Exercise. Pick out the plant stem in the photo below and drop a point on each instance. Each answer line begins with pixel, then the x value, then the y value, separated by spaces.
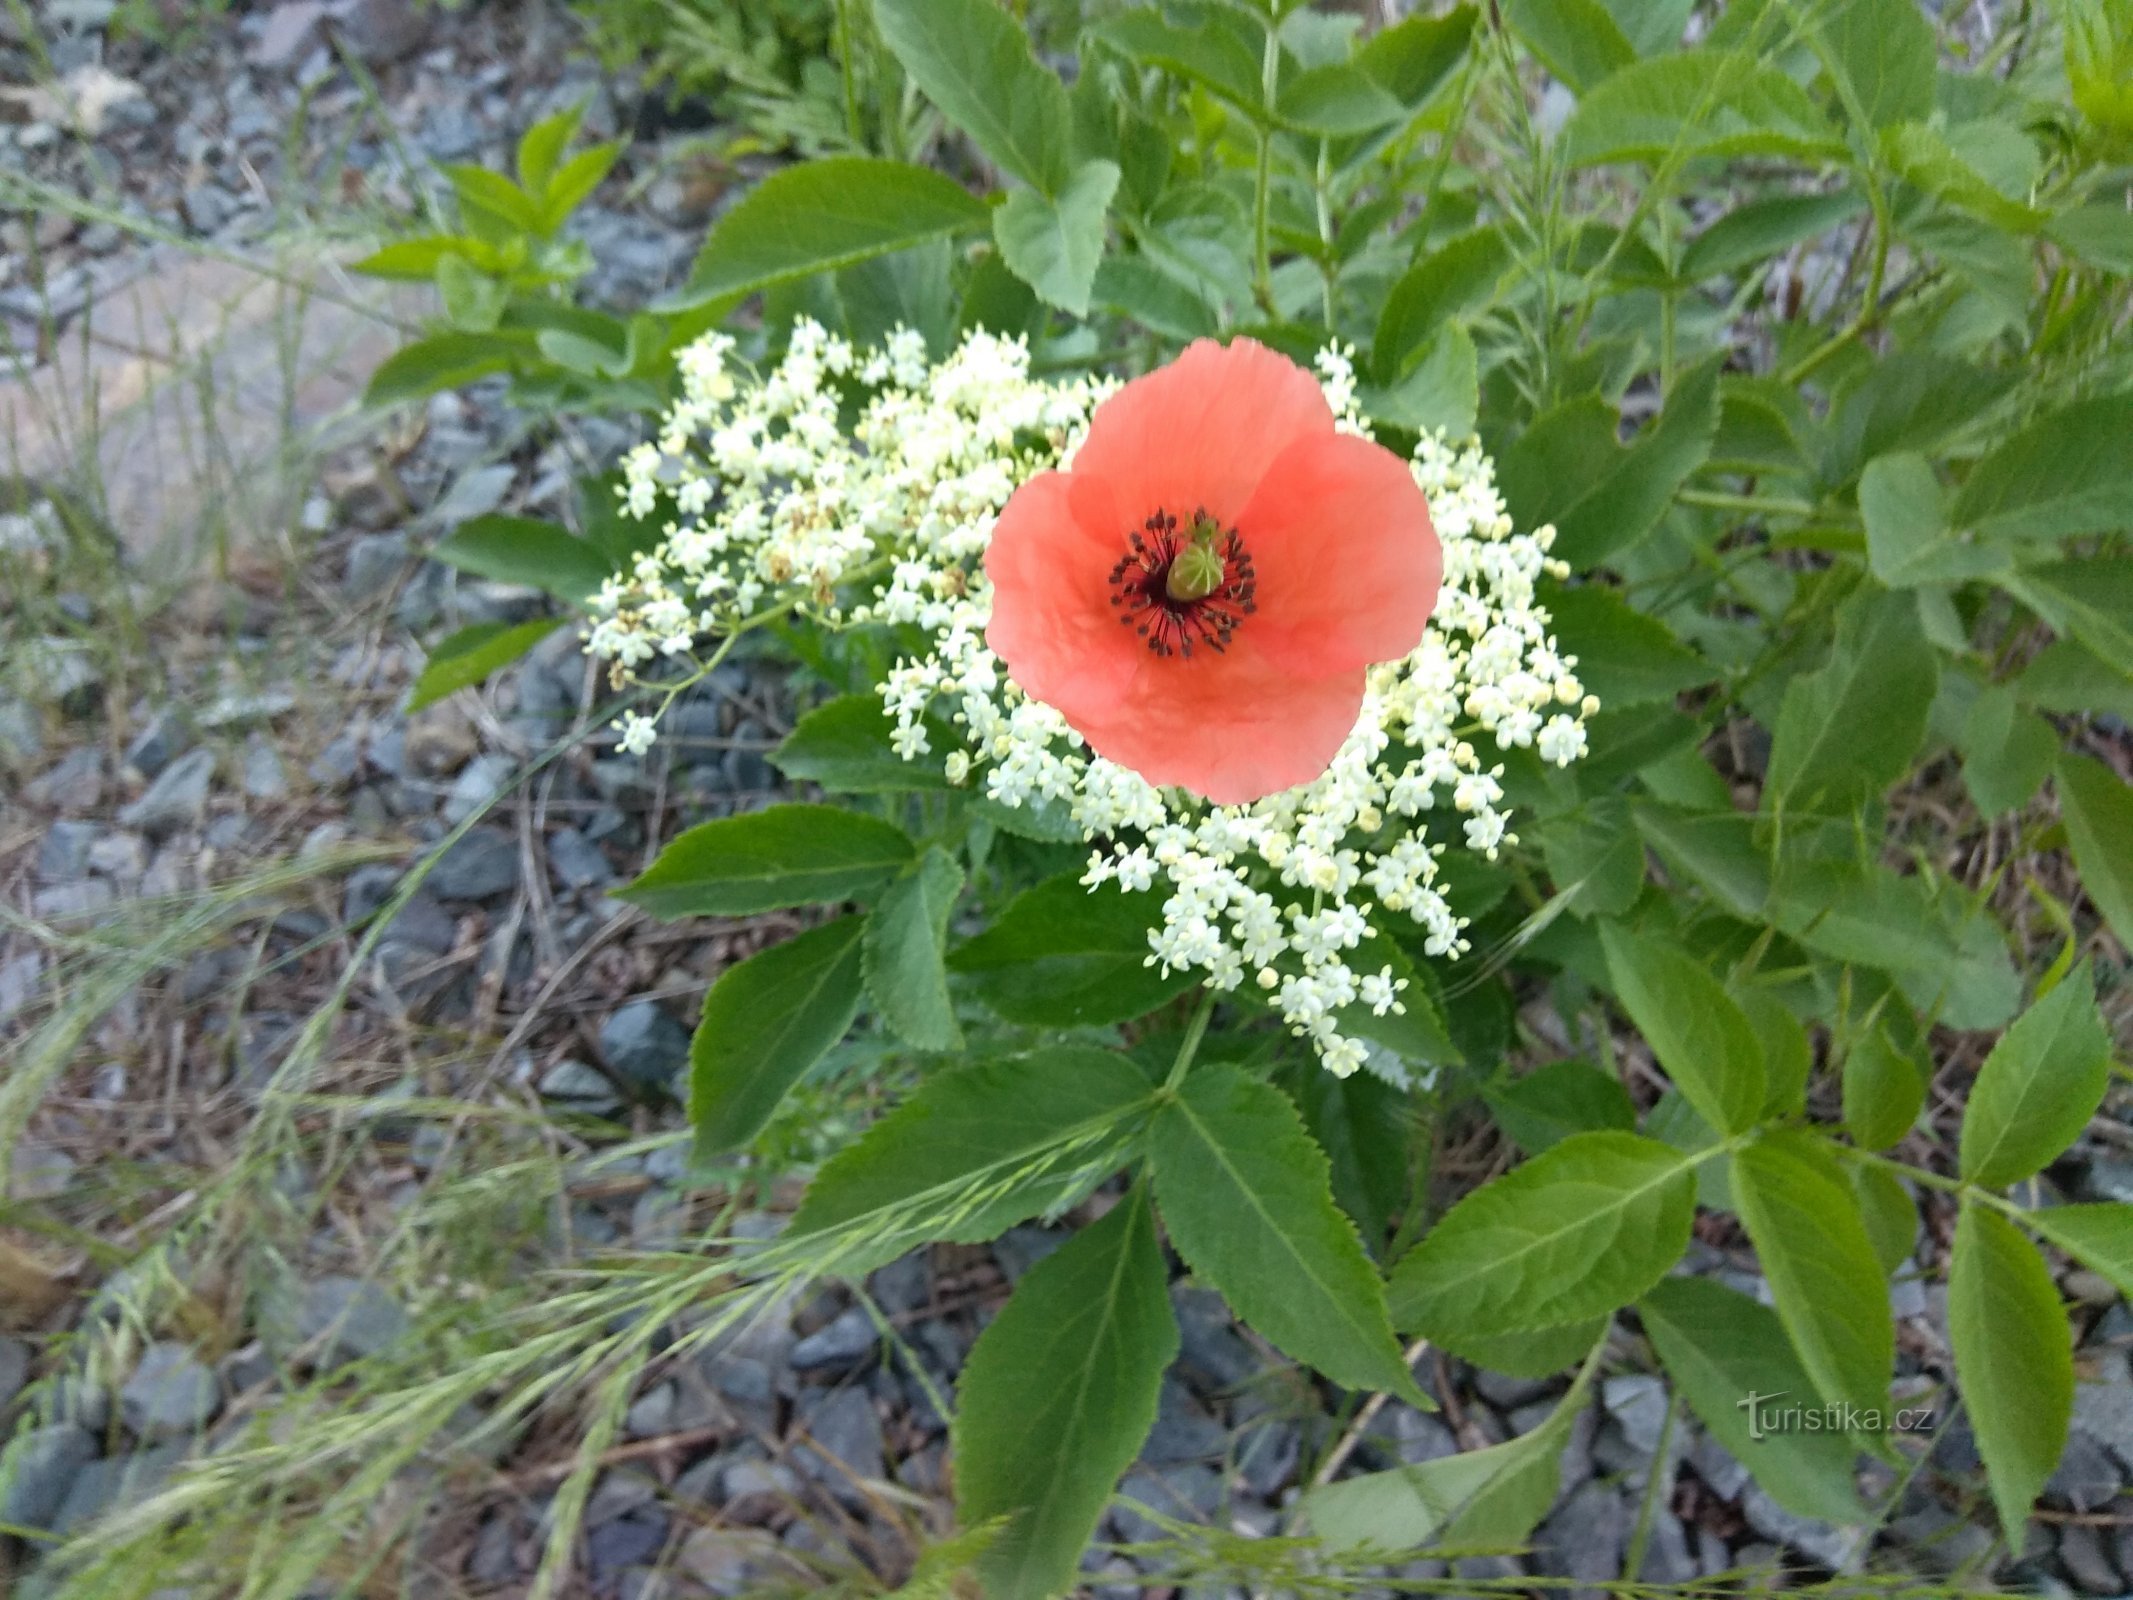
pixel 844 66
pixel 1766 505
pixel 1195 1031
pixel 1269 83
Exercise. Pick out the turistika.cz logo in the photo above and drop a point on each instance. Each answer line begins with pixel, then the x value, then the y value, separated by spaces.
pixel 1766 1416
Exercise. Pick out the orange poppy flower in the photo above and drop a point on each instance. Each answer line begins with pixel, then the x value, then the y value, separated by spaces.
pixel 1200 594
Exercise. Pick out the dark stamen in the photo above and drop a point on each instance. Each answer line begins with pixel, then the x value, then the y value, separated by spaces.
pixel 1140 588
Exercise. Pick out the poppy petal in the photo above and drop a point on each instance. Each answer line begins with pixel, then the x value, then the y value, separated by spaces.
pixel 1053 625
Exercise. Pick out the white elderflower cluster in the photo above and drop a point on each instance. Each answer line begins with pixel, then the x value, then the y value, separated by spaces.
pixel 777 502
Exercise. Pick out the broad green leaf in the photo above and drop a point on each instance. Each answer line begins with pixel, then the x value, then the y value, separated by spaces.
pixel 1450 283
pixel 2098 809
pixel 1720 1347
pixel 785 855
pixel 904 970
pixel 1441 388
pixel 1577 40
pixel 819 215
pixel 1053 245
pixel 1847 731
pixel 1912 400
pixel 998 301
pixel 573 181
pixel 1909 539
pixel 541 147
pixel 1698 1034
pixel 1336 101
pixel 1603 499
pixel 1883 1092
pixel 765 1022
pixel 1788 1058
pixel 1364 1125
pixel 1414 57
pixel 2091 598
pixel 485 195
pixel 1698 103
pixel 978 1149
pixel 2099 1236
pixel 1831 1293
pixel 2100 234
pixel 462 659
pixel 1624 656
pixel 1714 850
pixel 2065 474
pixel 1654 27
pixel 2039 1087
pixel 1064 955
pixel 1134 287
pixel 972 59
pixel 1549 1104
pixel 1595 856
pixel 1889 1211
pixel 1494 1496
pixel 2007 751
pixel 844 745
pixel 1761 230
pixel 1057 1397
pixel 2067 676
pixel 1248 1201
pixel 1213 53
pixel 416 260
pixel 912 288
pixel 2014 1358
pixel 1572 1234
pixel 444 361
pixel 1888 55
pixel 1417 1032
pixel 523 550
pixel 1923 155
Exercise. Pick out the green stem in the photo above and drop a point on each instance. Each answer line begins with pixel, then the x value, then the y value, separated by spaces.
pixel 1764 505
pixel 844 66
pixel 1262 179
pixel 1195 1031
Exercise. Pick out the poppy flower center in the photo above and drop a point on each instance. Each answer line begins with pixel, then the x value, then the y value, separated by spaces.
pixel 1178 588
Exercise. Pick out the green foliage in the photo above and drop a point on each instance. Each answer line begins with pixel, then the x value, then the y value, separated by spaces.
pixel 2013 1357
pixel 1059 956
pixel 787 855
pixel 2039 1087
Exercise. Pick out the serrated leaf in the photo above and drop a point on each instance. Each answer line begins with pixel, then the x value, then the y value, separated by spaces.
pixel 1212 53
pixel 819 215
pixel 541 147
pixel 1761 230
pixel 2039 1086
pixel 1698 103
pixel 2013 1358
pixel 1577 40
pixel 2007 751
pixel 1924 155
pixel 1883 1092
pixel 2099 1236
pixel 2067 473
pixel 2099 821
pixel 2100 234
pixel 1881 675
pixel 1549 1104
pixel 1720 1347
pixel 904 970
pixel 1697 1033
pixel 1788 1058
pixel 973 60
pixel 844 745
pixel 1715 850
pixel 1624 656
pixel 1027 1134
pixel 1247 1199
pixel 1888 55
pixel 1058 1394
pixel 1913 400
pixel 1441 388
pixel 765 1023
pixel 2068 676
pixel 1453 281
pixel 1574 1233
pixel 1595 857
pixel 1889 1212
pixel 462 659
pixel 444 361
pixel 784 855
pixel 1830 1291
pixel 1064 955
pixel 1364 1125
pixel 540 555
pixel 1413 58
pixel 1909 539
pixel 1334 101
pixel 1054 244
pixel 2091 598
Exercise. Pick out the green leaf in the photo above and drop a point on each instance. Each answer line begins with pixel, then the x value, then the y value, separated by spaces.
pixel 523 550
pixel 444 361
pixel 1452 282
pixel 1603 499
pixel 416 260
pixel 1888 55
pixel 1720 1347
pixel 2013 1358
pixel 1699 103
pixel 1698 1034
pixel 1787 1056
pixel 1248 1201
pixel 2007 751
pixel 819 215
pixel 1889 1212
pixel 1624 656
pixel 1064 955
pixel 1053 245
pixel 1883 1092
pixel 1417 1033
pixel 1831 1293
pixel 2091 598
pixel 462 659
pixel 1576 1232
pixel 541 146
pixel 2067 676
pixel 2099 1236
pixel 844 745
pixel 1413 58
pixel 2039 1087
pixel 1654 27
pixel 765 1022
pixel 1336 101
pixel 1213 53
pixel 1494 1496
pixel 1029 1134
pixel 1577 40
pixel 904 970
pixel 573 181
pixel 1714 850
pixel 2065 474
pixel 485 194
pixel 1923 155
pixel 1441 388
pixel 1364 1125
pixel 1548 1105
pixel 1908 537
pixel 2099 234
pixel 1881 674
pixel 1912 400
pixel 1595 857
pixel 972 59
pixel 1057 1396
pixel 2099 820
pixel 785 855
pixel 1761 230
